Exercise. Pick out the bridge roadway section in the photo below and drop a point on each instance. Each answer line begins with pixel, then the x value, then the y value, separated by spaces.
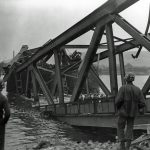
pixel 101 112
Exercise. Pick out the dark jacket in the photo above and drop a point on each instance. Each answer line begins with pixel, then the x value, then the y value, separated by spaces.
pixel 4 110
pixel 129 99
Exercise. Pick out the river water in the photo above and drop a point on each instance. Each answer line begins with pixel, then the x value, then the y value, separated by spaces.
pixel 26 128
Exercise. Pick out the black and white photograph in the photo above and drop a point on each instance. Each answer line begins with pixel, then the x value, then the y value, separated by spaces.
pixel 74 74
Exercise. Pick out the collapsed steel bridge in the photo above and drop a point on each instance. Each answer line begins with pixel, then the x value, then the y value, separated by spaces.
pixel 25 71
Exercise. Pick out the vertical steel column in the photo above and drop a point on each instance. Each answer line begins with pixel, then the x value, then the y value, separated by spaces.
pixel 34 82
pixel 99 81
pixel 27 90
pixel 98 33
pixel 43 85
pixel 112 60
pixel 58 73
pixel 55 85
pixel 146 86
pixel 87 86
pixel 122 69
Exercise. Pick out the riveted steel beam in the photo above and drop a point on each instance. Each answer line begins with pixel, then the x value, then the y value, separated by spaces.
pixel 112 60
pixel 98 33
pixel 100 82
pixel 42 84
pixel 99 15
pixel 122 68
pixel 118 49
pixel 137 35
pixel 35 90
pixel 59 77
pixel 27 90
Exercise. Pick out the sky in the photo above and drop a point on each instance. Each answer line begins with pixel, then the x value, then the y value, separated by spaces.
pixel 33 22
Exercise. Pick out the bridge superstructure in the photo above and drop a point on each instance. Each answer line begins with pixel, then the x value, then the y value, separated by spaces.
pixel 30 72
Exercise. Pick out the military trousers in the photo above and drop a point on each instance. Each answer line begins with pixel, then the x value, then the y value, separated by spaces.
pixel 2 137
pixel 125 128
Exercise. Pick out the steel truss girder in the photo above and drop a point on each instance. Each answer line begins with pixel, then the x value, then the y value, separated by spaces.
pixel 112 60
pixel 42 84
pixel 58 74
pixel 100 82
pixel 98 33
pixel 99 15
pixel 27 90
pixel 137 35
pixel 146 86
pixel 118 49
pixel 122 68
pixel 35 89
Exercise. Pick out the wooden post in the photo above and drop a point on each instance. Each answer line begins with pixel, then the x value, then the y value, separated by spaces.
pixel 112 60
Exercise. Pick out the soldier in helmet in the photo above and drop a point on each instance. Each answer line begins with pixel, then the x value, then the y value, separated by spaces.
pixel 4 115
pixel 129 102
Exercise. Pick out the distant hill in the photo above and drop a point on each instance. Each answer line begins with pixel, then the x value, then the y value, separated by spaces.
pixel 140 66
pixel 142 61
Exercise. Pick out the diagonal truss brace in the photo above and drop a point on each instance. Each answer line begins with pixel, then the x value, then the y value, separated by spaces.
pixel 99 15
pixel 98 33
pixel 42 84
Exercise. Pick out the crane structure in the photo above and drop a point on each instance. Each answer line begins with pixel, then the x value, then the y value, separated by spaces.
pixel 67 77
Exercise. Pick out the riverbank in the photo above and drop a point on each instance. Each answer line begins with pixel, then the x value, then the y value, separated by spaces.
pixel 27 130
pixel 51 144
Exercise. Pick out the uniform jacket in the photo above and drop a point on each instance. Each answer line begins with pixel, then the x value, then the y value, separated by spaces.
pixel 129 99
pixel 4 110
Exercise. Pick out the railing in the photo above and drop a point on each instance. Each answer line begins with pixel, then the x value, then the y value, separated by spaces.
pixel 92 106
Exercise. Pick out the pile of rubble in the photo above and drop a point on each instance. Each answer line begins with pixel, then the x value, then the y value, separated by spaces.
pixel 57 145
pixel 142 143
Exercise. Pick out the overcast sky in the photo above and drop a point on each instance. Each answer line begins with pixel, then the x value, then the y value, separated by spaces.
pixel 33 22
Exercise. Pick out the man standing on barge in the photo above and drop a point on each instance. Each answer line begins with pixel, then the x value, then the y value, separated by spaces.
pixel 129 102
pixel 4 115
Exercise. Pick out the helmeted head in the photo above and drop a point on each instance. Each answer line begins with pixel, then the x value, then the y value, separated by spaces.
pixel 1 84
pixel 129 77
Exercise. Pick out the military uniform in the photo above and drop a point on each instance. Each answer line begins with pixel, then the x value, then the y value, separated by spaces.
pixel 4 116
pixel 128 102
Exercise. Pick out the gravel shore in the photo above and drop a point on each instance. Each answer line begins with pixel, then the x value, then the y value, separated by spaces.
pixel 60 145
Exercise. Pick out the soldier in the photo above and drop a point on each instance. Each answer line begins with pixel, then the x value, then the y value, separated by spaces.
pixel 129 102
pixel 4 115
